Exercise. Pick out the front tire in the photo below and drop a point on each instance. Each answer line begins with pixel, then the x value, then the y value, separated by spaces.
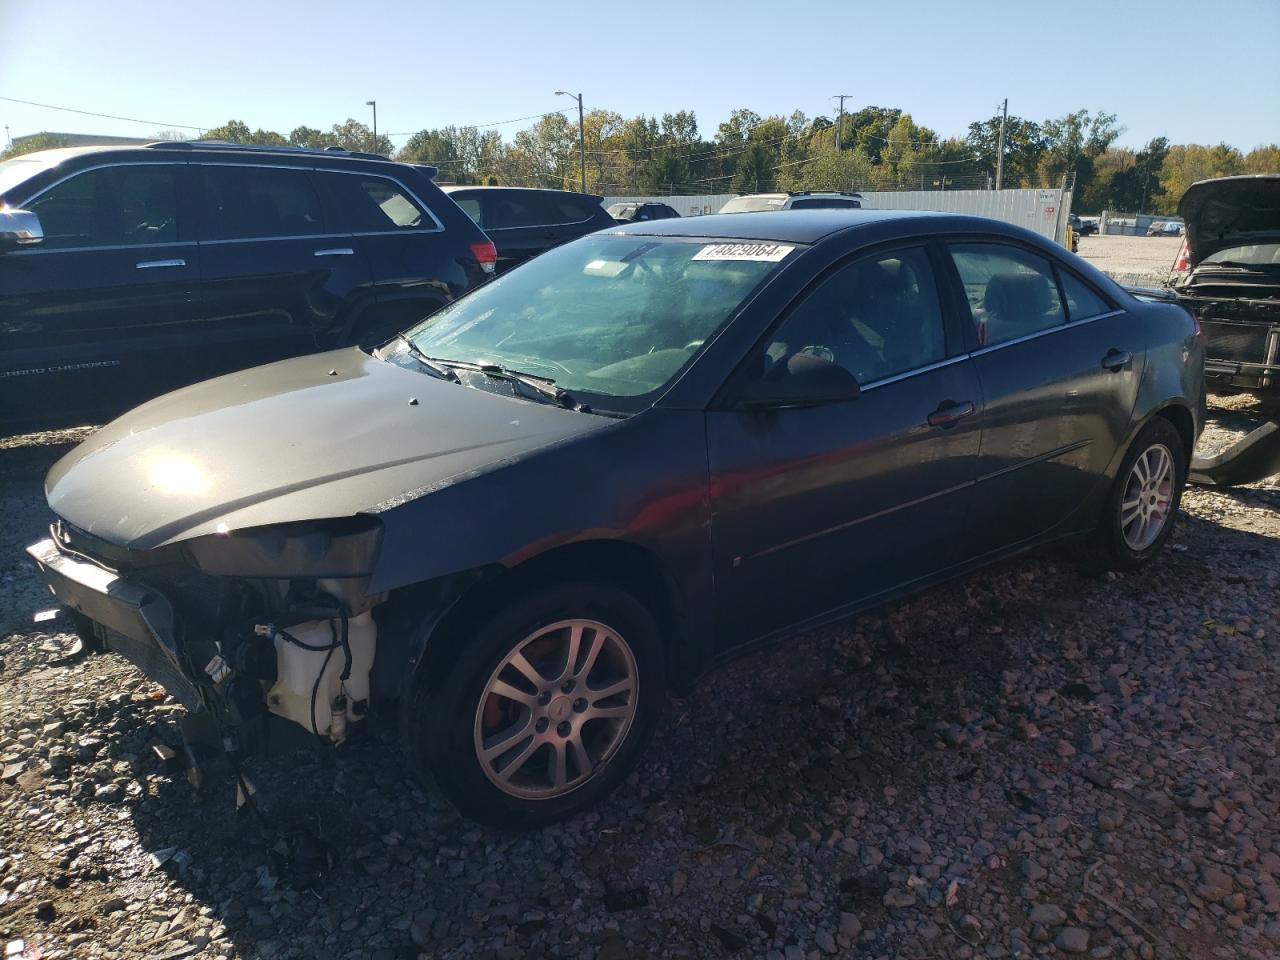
pixel 546 708
pixel 1144 499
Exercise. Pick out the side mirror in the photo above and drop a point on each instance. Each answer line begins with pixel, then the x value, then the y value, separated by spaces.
pixel 802 381
pixel 19 228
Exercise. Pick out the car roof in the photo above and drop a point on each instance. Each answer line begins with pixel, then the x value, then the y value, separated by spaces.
pixel 451 187
pixel 809 226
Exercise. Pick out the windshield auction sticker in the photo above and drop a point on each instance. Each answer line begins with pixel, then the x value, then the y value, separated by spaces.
pixel 765 252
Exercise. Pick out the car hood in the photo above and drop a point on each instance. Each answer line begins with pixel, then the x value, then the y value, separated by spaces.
pixel 329 435
pixel 1229 211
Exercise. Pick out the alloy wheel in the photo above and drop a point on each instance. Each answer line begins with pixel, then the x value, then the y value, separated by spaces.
pixel 1148 495
pixel 556 708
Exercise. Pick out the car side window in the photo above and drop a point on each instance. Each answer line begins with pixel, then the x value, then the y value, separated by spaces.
pixel 514 208
pixel 112 206
pixel 1082 303
pixel 471 207
pixel 1011 292
pixel 248 203
pixel 567 209
pixel 876 317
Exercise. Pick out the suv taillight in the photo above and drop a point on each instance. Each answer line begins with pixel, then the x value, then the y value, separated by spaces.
pixel 486 255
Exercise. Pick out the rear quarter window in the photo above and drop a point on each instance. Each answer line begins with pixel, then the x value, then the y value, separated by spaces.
pixel 368 203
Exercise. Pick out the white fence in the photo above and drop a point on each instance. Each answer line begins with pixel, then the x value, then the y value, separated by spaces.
pixel 1043 211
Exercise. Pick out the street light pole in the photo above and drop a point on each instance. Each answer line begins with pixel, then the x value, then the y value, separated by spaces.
pixel 582 137
pixel 374 104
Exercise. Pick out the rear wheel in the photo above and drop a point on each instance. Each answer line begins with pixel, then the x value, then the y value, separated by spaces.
pixel 546 709
pixel 1144 498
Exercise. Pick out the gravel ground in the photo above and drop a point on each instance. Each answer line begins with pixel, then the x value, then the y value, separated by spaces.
pixel 1024 762
pixel 1132 260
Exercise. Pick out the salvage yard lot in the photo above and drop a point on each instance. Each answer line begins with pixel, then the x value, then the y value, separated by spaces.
pixel 1028 756
pixel 1131 259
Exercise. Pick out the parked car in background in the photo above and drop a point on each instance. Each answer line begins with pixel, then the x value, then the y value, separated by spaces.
pixel 1228 274
pixel 525 221
pixel 800 200
pixel 128 271
pixel 1164 228
pixel 1087 225
pixel 639 212
pixel 623 463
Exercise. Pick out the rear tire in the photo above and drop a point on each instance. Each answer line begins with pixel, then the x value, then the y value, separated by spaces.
pixel 523 730
pixel 1143 503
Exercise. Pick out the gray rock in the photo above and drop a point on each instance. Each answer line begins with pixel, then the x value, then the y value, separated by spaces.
pixel 1072 940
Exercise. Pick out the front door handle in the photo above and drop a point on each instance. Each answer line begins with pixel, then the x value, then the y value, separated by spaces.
pixel 949 412
pixel 335 252
pixel 1116 360
pixel 153 264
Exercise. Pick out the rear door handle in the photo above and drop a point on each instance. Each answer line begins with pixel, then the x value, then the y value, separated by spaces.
pixel 155 264
pixel 335 252
pixel 1116 360
pixel 949 412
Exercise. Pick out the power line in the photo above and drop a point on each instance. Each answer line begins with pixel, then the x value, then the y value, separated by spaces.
pixel 105 116
pixel 481 126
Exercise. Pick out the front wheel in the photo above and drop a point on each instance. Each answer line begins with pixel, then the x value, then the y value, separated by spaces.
pixel 546 709
pixel 1144 498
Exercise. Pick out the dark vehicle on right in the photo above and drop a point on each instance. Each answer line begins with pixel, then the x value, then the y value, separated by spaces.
pixel 1228 274
pixel 524 221
pixel 625 212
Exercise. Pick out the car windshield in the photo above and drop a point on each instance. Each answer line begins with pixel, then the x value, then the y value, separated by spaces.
pixel 753 204
pixel 1252 254
pixel 613 316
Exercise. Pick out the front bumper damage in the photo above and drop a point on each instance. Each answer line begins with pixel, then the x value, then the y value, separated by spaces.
pixel 262 662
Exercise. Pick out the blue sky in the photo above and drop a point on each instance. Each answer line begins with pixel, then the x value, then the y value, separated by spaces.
pixel 1192 71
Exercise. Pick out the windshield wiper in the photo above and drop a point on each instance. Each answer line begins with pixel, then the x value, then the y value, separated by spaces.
pixel 544 386
pixel 426 361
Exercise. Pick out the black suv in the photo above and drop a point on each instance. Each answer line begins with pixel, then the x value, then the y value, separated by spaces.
pixel 526 221
pixel 636 212
pixel 128 272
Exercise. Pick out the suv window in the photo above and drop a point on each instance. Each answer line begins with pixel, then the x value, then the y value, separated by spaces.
pixel 824 203
pixel 470 206
pixel 369 203
pixel 1011 292
pixel 111 206
pixel 516 208
pixel 1082 303
pixel 876 317
pixel 566 208
pixel 243 203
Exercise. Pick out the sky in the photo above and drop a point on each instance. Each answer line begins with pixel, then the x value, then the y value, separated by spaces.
pixel 1194 72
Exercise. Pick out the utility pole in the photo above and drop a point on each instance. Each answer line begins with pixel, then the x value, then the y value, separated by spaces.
pixel 582 137
pixel 1004 116
pixel 374 104
pixel 842 97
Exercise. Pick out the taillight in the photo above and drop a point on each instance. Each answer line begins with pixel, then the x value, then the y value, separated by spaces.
pixel 1183 262
pixel 486 255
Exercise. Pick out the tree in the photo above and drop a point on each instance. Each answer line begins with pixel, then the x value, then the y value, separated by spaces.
pixel 828 169
pixel 355 136
pixel 1264 158
pixel 1187 163
pixel 1024 143
pixel 39 141
pixel 1071 144
pixel 237 131
pixel 311 138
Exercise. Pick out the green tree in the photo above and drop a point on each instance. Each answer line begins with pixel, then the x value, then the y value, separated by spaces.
pixel 828 169
pixel 40 141
pixel 1024 143
pixel 1186 164
pixel 237 131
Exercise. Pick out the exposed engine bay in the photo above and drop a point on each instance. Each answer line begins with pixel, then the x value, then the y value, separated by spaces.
pixel 245 652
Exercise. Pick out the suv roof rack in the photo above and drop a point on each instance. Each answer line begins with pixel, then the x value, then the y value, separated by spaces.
pixel 831 193
pixel 260 148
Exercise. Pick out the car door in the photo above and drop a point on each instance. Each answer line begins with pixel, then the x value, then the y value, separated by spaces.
pixel 818 507
pixel 267 256
pixel 96 318
pixel 1060 368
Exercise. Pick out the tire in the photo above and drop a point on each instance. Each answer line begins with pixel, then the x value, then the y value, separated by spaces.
pixel 457 731
pixel 1121 541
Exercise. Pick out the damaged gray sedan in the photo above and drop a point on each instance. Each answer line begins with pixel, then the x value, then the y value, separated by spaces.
pixel 589 481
